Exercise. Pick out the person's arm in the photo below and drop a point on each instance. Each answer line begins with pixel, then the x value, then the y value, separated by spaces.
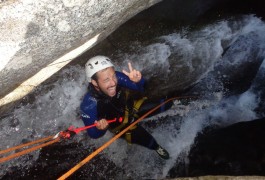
pixel 89 116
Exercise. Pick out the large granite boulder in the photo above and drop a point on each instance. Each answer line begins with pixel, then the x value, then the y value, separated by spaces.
pixel 36 33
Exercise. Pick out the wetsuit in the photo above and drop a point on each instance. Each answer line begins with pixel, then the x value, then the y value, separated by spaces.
pixel 96 106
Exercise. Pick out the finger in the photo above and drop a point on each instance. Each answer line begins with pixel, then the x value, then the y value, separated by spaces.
pixel 97 123
pixel 105 123
pixel 130 66
pixel 138 74
pixel 125 72
pixel 134 73
pixel 100 125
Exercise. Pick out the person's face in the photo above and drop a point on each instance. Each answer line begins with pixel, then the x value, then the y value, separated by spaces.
pixel 106 81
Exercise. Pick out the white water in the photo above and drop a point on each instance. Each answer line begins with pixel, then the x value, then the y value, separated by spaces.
pixel 197 53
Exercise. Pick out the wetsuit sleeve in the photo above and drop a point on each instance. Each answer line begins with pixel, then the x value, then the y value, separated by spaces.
pixel 89 116
pixel 124 81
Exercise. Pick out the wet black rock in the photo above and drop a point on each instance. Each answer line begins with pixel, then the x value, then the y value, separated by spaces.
pixel 237 150
pixel 58 159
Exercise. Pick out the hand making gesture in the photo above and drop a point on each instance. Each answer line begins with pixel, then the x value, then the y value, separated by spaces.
pixel 134 75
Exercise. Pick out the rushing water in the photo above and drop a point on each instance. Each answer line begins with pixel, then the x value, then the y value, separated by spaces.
pixel 224 62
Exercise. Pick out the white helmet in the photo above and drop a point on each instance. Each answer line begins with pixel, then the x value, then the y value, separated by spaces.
pixel 96 64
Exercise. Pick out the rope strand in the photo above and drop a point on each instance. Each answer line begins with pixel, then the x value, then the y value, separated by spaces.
pixel 4 159
pixel 26 144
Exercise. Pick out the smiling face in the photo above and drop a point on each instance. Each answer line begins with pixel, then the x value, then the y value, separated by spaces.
pixel 106 81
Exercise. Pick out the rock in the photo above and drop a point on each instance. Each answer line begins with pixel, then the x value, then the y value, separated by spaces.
pixel 235 150
pixel 36 33
pixel 58 159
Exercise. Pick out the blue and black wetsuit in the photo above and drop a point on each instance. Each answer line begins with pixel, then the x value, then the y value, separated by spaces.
pixel 96 106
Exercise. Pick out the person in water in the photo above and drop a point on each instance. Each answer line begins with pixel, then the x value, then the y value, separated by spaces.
pixel 109 96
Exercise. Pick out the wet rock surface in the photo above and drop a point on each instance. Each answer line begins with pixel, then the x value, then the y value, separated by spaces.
pixel 35 34
pixel 56 160
pixel 234 150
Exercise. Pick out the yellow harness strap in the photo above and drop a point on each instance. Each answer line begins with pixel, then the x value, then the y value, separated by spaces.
pixel 136 106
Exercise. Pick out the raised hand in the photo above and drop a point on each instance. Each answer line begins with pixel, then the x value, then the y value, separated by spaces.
pixel 134 75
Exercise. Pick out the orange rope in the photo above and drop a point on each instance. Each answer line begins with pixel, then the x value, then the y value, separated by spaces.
pixel 26 144
pixel 92 155
pixel 29 149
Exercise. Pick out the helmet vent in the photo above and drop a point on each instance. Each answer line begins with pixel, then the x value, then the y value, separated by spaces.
pixel 90 66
